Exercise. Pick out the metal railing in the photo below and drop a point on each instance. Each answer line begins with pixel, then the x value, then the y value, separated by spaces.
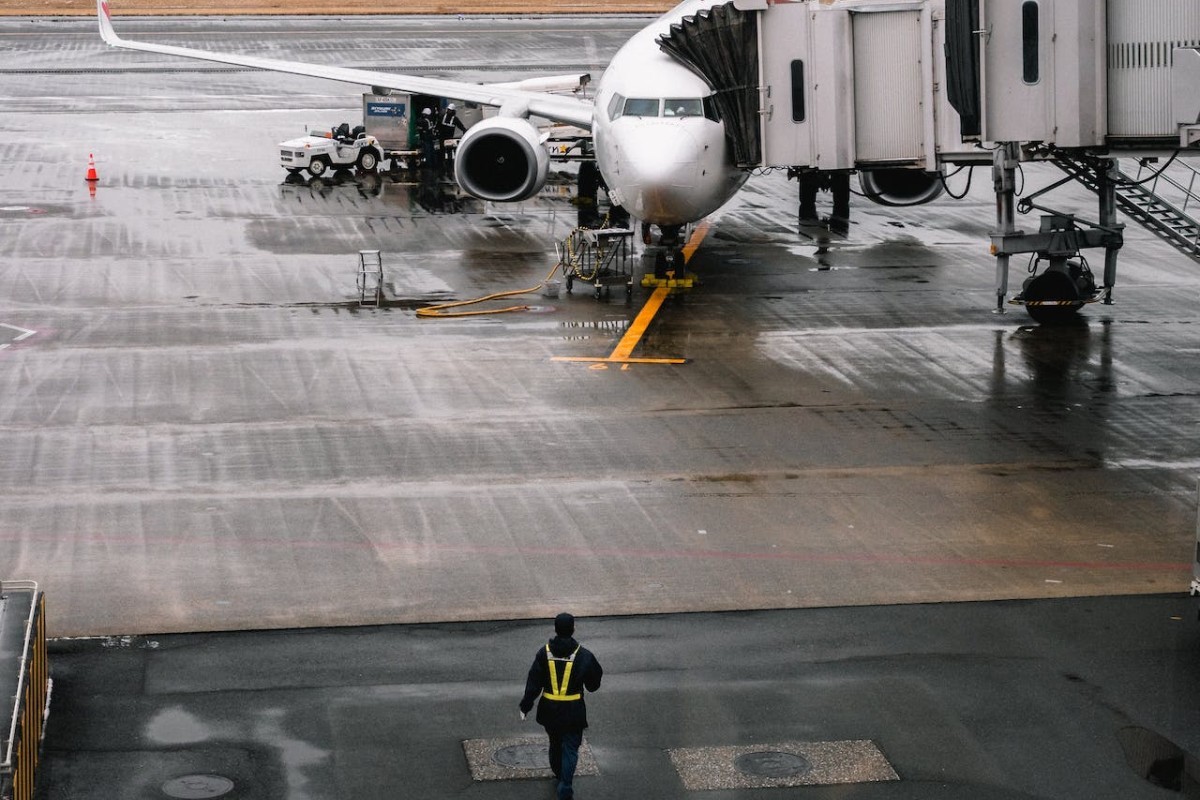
pixel 29 704
pixel 1188 192
pixel 1145 201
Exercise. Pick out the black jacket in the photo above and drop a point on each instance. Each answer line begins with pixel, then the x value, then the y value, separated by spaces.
pixel 448 122
pixel 562 715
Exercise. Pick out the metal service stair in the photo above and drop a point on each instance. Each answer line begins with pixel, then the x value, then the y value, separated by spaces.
pixel 1139 199
pixel 370 278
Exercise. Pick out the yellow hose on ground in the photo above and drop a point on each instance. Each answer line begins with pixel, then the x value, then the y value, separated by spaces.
pixel 440 311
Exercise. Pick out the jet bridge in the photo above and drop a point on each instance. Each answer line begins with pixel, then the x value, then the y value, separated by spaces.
pixel 860 84
pixel 898 90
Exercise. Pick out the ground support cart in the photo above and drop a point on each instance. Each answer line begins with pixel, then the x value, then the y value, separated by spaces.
pixel 600 257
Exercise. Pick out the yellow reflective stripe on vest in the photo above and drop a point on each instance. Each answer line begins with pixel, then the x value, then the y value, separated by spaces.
pixel 555 686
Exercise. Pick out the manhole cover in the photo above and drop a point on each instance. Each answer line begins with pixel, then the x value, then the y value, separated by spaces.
pixel 771 764
pixel 522 756
pixel 197 787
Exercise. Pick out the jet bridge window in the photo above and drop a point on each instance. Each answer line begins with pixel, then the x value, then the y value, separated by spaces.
pixel 797 91
pixel 1029 42
pixel 683 107
pixel 641 107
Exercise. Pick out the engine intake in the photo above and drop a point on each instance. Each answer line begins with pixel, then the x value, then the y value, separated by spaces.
pixel 501 159
pixel 900 187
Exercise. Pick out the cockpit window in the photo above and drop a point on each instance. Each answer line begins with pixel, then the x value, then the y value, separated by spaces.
pixel 683 107
pixel 640 107
pixel 671 107
pixel 614 106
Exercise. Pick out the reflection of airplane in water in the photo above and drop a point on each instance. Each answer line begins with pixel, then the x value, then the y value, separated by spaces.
pixel 435 193
pixel 425 189
pixel 661 146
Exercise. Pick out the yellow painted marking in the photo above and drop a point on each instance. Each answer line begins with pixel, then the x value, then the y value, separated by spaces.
pixel 640 323
pixel 621 355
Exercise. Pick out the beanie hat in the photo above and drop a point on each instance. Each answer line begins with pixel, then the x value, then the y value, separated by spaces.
pixel 564 624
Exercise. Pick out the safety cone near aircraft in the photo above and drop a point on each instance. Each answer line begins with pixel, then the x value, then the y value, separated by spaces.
pixel 92 177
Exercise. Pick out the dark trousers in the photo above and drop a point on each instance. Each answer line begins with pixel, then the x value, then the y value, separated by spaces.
pixel 838 183
pixel 564 755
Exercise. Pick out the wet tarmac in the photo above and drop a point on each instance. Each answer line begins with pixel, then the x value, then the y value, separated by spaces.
pixel 204 430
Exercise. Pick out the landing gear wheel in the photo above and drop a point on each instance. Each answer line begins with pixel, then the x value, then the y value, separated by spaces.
pixel 368 160
pixel 660 266
pixel 673 263
pixel 317 167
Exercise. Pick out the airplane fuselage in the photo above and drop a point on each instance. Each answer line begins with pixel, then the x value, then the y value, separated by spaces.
pixel 660 145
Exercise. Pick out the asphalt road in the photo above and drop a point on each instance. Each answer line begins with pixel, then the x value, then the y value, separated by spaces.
pixel 998 701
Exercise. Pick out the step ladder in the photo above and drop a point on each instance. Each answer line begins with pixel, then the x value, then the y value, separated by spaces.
pixel 370 278
pixel 1145 200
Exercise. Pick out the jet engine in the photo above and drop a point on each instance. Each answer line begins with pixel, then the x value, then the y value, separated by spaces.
pixel 900 187
pixel 501 159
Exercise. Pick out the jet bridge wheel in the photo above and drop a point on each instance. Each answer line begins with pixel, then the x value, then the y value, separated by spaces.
pixel 1052 298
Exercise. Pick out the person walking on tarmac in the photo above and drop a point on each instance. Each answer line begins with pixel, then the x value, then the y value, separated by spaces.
pixel 427 132
pixel 560 672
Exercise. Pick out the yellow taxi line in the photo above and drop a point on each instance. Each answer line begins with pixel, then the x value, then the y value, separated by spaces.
pixel 624 348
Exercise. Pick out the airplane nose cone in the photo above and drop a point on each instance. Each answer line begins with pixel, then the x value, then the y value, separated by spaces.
pixel 659 173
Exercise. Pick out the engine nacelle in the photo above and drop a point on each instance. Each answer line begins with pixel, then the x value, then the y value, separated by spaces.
pixel 900 187
pixel 501 159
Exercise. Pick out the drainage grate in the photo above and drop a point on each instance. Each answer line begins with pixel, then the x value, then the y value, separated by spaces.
pixel 771 764
pixel 518 758
pixel 197 787
pixel 525 755
pixel 781 764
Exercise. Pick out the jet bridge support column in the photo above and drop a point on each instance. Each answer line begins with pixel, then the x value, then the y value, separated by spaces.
pixel 1108 172
pixel 1004 169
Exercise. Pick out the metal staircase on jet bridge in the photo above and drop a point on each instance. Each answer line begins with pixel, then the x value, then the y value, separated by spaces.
pixel 1152 211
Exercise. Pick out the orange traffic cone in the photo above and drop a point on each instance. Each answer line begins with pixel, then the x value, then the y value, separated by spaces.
pixel 91 173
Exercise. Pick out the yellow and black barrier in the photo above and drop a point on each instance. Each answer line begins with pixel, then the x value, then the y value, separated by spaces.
pixel 23 652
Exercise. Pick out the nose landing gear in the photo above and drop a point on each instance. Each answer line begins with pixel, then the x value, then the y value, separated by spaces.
pixel 669 261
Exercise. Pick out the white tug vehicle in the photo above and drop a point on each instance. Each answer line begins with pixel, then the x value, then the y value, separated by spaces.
pixel 342 148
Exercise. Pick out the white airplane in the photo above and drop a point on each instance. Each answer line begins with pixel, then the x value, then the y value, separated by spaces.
pixel 660 145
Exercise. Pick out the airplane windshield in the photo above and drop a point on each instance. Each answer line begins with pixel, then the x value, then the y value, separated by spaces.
pixel 654 107
pixel 641 107
pixel 683 107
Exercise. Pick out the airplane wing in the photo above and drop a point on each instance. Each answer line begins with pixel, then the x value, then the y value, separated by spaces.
pixel 517 102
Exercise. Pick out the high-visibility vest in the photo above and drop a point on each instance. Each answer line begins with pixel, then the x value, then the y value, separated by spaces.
pixel 558 689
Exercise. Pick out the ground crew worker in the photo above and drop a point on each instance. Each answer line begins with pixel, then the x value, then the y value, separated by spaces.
pixel 449 122
pixel 560 672
pixel 448 126
pixel 427 131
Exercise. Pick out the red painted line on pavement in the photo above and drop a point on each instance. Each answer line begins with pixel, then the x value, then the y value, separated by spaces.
pixel 425 548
